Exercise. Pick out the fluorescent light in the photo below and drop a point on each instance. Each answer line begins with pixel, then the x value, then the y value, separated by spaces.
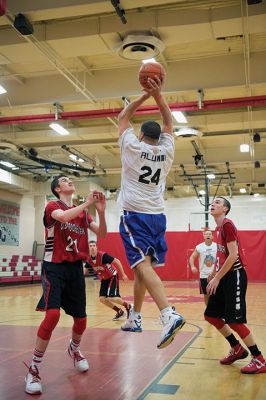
pixel 59 129
pixel 179 117
pixel 2 90
pixel 244 148
pixel 148 60
pixel 243 190
pixel 211 176
pixel 256 194
pixel 201 192
pixel 8 164
pixel 76 158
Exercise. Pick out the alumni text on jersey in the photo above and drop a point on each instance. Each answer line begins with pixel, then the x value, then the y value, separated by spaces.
pixel 153 157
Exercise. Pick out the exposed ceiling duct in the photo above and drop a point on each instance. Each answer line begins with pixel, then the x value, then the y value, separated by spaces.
pixel 240 102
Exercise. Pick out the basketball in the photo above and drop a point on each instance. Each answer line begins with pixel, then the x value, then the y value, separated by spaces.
pixel 149 70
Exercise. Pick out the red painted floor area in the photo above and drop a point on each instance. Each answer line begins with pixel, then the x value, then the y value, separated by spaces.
pixel 122 364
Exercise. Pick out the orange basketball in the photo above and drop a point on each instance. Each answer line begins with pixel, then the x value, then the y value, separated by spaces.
pixel 149 70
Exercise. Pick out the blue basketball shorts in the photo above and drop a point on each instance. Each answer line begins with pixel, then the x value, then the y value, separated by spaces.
pixel 143 235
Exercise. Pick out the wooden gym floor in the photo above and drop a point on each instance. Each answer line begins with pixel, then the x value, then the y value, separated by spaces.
pixel 123 365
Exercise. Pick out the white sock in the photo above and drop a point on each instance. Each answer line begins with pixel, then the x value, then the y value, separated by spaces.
pixel 75 345
pixel 166 310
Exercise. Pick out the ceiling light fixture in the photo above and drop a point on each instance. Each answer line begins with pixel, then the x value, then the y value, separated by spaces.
pixel 187 132
pixel 179 117
pixel 202 192
pixel 148 60
pixel 76 158
pixel 58 109
pixel 59 129
pixel 243 190
pixel 8 164
pixel 2 90
pixel 211 176
pixel 244 148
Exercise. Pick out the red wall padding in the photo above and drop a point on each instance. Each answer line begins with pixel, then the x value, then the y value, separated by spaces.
pixel 2 7
pixel 180 246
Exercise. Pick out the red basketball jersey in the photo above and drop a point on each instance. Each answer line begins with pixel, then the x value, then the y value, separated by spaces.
pixel 104 271
pixel 65 241
pixel 227 233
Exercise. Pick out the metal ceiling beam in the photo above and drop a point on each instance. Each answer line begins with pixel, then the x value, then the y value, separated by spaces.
pixel 239 102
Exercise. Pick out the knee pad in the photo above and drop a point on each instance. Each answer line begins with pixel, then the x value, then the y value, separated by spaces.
pixel 241 329
pixel 217 322
pixel 79 325
pixel 49 323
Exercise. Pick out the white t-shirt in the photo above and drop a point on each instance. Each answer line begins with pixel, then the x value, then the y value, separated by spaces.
pixel 207 258
pixel 144 171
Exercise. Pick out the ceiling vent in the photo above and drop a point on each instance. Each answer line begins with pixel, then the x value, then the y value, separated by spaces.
pixel 140 47
pixel 187 132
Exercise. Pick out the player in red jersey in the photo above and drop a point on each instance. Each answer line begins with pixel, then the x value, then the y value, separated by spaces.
pixel 106 266
pixel 226 309
pixel 63 281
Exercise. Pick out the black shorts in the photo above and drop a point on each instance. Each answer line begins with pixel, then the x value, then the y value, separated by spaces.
pixel 110 287
pixel 63 287
pixel 203 285
pixel 229 301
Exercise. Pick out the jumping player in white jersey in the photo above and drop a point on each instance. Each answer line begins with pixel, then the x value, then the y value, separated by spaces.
pixel 146 162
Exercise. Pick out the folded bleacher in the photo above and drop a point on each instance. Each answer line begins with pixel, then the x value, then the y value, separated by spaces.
pixel 15 269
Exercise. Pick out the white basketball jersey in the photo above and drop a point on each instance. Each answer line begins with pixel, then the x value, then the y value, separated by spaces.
pixel 144 171
pixel 207 258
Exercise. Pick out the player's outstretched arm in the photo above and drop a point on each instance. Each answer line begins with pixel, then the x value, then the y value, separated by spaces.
pixel 163 106
pixel 154 89
pixel 166 115
pixel 192 258
pixel 68 215
pixel 127 113
pixel 120 269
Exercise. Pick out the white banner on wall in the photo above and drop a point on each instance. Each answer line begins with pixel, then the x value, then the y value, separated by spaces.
pixel 9 223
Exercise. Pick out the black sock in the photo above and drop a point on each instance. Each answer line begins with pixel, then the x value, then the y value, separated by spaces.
pixel 254 350
pixel 232 340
